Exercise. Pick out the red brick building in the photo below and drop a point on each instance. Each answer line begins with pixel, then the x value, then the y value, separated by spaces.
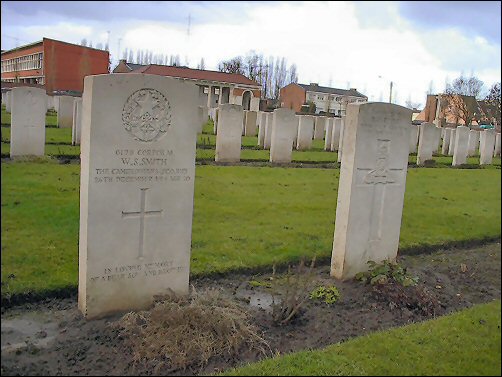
pixel 59 66
pixel 215 87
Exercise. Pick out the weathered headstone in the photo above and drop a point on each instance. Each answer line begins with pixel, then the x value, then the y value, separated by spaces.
pixel 76 130
pixel 446 141
pixel 261 128
pixel 340 144
pixel 203 115
pixel 283 133
pixel 268 130
pixel 328 134
pixel 29 106
pixel 451 146
pixel 335 134
pixel 250 123
pixel 371 187
pixel 305 132
pixel 228 138
pixel 486 146
pixel 426 142
pixel 461 146
pixel 473 142
pixel 414 138
pixel 8 97
pixel 136 192
pixel 65 111
pixel 438 139
pixel 496 152
pixel 319 126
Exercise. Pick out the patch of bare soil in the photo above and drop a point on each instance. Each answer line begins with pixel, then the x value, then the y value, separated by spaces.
pixel 52 337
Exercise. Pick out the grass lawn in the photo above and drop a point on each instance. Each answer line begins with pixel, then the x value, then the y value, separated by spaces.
pixel 466 343
pixel 243 217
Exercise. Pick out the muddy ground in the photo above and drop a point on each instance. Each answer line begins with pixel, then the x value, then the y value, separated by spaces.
pixel 52 338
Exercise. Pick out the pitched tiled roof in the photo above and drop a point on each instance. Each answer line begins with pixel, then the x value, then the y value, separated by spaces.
pixel 196 74
pixel 325 89
pixel 134 66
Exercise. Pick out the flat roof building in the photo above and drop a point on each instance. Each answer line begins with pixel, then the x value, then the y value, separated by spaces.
pixel 57 65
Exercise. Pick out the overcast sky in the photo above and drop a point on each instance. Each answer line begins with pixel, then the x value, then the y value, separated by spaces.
pixel 340 44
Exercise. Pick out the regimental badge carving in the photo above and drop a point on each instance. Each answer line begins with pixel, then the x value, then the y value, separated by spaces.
pixel 146 115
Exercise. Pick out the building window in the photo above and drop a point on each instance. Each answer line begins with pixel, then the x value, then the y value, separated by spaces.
pixel 23 63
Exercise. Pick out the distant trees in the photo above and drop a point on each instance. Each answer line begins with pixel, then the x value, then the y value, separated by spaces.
pixel 145 57
pixel 457 94
pixel 493 96
pixel 412 105
pixel 272 73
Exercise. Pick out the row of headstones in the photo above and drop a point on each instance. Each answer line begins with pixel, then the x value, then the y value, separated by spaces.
pixel 282 130
pixel 137 186
pixel 28 109
pixel 460 142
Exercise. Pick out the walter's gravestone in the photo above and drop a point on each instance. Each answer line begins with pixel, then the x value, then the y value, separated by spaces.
pixel 305 132
pixel 283 134
pixel 371 189
pixel 29 106
pixel 461 146
pixel 65 112
pixel 228 138
pixel 136 191
pixel 76 129
pixel 426 143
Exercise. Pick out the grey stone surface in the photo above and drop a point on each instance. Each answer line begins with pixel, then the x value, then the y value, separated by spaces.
pixel 426 143
pixel 65 112
pixel 305 132
pixel 228 138
pixel 283 133
pixel 461 146
pixel 136 192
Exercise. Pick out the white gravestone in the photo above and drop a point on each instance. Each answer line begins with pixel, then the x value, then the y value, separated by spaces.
pixel 305 132
pixel 268 130
pixel 340 144
pixel 283 134
pixel 473 142
pixel 65 111
pixel 8 101
pixel 29 106
pixel 496 152
pixel 76 129
pixel 414 138
pixel 461 146
pixel 296 132
pixel 486 147
pixel 335 134
pixel 372 185
pixel 319 126
pixel 261 128
pixel 328 134
pixel 203 116
pixel 446 141
pixel 426 143
pixel 215 112
pixel 438 139
pixel 228 139
pixel 136 190
pixel 451 147
pixel 250 123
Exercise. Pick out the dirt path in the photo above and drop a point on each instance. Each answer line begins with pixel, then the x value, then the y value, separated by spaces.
pixel 52 338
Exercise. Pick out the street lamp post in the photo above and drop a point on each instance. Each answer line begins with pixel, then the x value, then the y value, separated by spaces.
pixel 390 88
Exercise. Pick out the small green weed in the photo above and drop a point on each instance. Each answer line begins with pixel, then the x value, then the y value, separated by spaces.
pixel 329 295
pixel 383 273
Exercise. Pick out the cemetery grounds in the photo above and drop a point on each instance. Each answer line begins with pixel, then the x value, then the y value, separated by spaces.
pixel 250 219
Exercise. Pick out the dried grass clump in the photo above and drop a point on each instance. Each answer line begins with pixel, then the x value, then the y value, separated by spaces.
pixel 185 332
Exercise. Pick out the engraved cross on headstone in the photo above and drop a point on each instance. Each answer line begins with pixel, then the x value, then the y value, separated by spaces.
pixel 141 214
pixel 379 178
